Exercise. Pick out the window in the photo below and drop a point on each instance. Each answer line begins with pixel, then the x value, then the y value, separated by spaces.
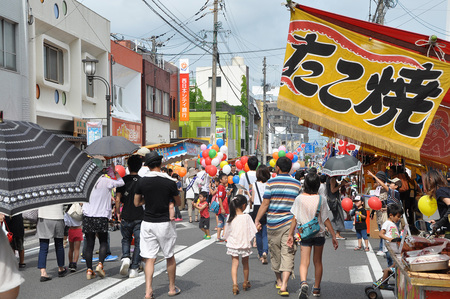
pixel 149 99
pixel 218 81
pixel 157 101
pixel 166 106
pixel 118 96
pixel 203 131
pixel 53 64
pixel 7 45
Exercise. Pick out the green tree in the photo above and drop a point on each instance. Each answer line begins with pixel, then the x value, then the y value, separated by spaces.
pixel 197 101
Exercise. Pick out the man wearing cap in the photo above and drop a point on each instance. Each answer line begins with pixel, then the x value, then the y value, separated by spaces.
pixel 156 190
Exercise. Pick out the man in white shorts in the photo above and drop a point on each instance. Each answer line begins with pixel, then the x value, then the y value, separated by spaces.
pixel 156 190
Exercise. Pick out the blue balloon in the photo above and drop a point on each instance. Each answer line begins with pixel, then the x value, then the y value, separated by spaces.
pixel 219 143
pixel 295 159
pixel 236 179
pixel 209 146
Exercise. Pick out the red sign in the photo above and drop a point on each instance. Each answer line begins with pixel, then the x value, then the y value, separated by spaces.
pixel 130 130
pixel 184 97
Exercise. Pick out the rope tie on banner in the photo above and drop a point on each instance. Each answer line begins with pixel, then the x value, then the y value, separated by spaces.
pixel 432 44
pixel 290 5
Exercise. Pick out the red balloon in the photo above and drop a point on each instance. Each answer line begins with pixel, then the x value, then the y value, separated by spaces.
pixel 212 170
pixel 244 160
pixel 224 158
pixel 290 156
pixel 238 164
pixel 120 170
pixel 374 203
pixel 347 204
pixel 208 161
pixel 274 174
pixel 205 153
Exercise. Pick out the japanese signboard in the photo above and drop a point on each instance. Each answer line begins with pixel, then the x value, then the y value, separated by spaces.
pixel 79 126
pixel 360 87
pixel 94 131
pixel 181 149
pixel 184 89
pixel 130 130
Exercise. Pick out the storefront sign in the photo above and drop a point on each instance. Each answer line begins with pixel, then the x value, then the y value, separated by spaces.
pixel 79 126
pixel 94 131
pixel 181 149
pixel 130 130
pixel 359 87
pixel 184 89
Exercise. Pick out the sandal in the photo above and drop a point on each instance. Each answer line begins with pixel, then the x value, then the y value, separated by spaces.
pixel 235 289
pixel 277 286
pixel 190 219
pixel 177 292
pixel 246 285
pixel 283 293
pixel 316 292
pixel 357 248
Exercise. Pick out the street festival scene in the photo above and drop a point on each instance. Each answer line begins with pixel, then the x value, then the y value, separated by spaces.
pixel 216 149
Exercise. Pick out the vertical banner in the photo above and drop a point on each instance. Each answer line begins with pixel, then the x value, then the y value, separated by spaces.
pixel 184 89
pixel 94 131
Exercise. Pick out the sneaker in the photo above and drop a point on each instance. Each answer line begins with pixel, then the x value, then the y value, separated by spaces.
pixel 207 237
pixel 100 271
pixel 94 259
pixel 381 253
pixel 125 265
pixel 110 258
pixel 178 219
pixel 133 273
pixel 73 267
pixel 303 291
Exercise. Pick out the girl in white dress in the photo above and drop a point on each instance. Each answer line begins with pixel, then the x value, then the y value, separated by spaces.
pixel 239 232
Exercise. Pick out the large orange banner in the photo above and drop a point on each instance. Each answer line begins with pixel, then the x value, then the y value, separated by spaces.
pixel 184 90
pixel 359 87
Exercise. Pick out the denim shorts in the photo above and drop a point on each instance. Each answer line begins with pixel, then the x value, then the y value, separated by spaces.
pixel 389 260
pixel 222 218
pixel 361 234
pixel 317 241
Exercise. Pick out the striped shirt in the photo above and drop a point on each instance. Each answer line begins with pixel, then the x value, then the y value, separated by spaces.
pixel 281 191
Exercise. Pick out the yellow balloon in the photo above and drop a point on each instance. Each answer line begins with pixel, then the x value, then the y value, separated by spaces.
pixel 427 205
pixel 272 162
pixel 223 163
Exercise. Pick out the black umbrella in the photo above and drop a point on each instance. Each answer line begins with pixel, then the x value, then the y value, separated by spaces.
pixel 111 147
pixel 341 165
pixel 38 168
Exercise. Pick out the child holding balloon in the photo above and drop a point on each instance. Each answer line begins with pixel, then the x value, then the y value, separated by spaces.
pixel 360 223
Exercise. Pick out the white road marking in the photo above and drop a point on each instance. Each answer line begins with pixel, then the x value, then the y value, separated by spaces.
pixel 122 287
pixel 187 266
pixel 387 294
pixel 360 274
pixel 351 244
pixel 93 288
pixel 377 270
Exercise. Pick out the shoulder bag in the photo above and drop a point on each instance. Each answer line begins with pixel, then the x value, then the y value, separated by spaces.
pixel 76 212
pixel 310 229
pixel 263 219
pixel 214 207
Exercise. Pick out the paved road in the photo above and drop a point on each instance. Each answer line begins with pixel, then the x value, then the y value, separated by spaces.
pixel 203 271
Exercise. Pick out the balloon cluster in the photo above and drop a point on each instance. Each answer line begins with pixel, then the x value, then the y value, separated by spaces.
pixel 214 157
pixel 283 152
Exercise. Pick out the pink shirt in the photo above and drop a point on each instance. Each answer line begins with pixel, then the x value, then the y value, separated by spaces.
pixel 240 232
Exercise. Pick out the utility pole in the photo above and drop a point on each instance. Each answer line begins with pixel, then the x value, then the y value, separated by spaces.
pixel 214 75
pixel 380 12
pixel 264 139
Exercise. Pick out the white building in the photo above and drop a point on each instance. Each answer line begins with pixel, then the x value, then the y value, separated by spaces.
pixel 14 99
pixel 227 90
pixel 61 34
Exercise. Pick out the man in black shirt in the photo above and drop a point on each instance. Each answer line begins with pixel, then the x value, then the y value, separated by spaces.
pixel 156 190
pixel 130 218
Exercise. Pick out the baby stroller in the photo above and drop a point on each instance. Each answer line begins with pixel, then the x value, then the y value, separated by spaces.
pixel 373 291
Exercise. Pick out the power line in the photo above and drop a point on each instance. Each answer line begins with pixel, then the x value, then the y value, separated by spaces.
pixel 235 52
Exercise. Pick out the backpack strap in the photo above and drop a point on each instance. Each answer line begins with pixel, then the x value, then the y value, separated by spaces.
pixel 318 207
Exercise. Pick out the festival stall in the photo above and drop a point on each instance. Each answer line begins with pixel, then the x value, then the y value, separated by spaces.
pixel 381 88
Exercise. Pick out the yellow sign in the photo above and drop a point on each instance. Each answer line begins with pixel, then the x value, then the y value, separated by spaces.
pixel 359 87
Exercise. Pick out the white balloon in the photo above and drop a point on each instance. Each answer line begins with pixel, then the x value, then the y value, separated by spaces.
pixel 224 149
pixel 215 162
pixel 226 169
pixel 219 156
pixel 296 166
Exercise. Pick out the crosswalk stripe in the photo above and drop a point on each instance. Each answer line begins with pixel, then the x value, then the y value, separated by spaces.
pixel 387 294
pixel 125 286
pixel 93 288
pixel 360 274
pixel 187 266
pixel 377 270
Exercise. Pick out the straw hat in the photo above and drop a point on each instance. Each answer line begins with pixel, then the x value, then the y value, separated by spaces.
pixel 191 172
pixel 143 151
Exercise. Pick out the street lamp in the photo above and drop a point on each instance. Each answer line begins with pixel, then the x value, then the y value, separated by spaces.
pixel 90 66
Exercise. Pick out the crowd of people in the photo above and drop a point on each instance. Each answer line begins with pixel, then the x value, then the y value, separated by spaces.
pixel 263 211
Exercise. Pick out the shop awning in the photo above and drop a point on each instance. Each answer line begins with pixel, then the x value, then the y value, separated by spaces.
pixel 365 82
pixel 177 151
